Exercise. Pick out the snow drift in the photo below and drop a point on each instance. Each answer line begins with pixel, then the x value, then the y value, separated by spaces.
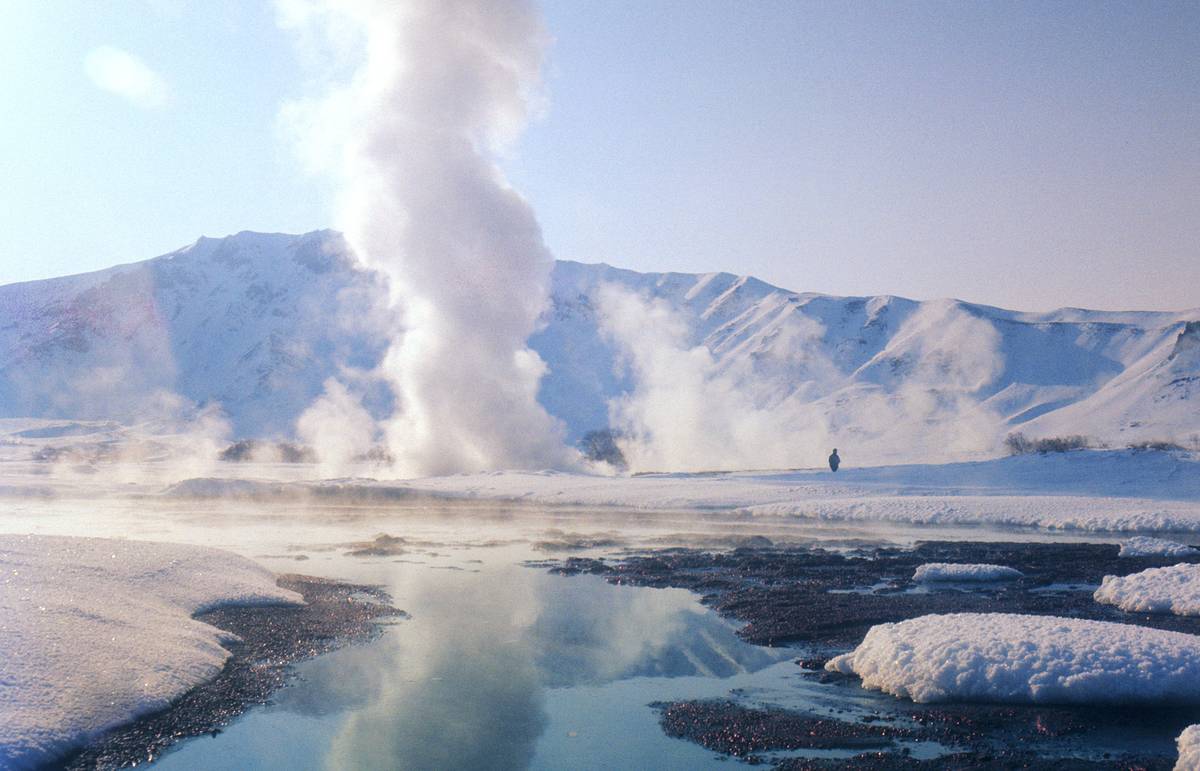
pixel 1158 590
pixel 96 632
pixel 1144 546
pixel 1000 657
pixel 933 572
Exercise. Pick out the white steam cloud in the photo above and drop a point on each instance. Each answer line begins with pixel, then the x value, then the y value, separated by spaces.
pixel 340 426
pixel 435 88
pixel 126 75
pixel 789 404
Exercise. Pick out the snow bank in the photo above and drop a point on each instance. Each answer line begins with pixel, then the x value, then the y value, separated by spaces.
pixel 1142 546
pixel 943 571
pixel 1188 744
pixel 1158 590
pixel 1013 658
pixel 96 632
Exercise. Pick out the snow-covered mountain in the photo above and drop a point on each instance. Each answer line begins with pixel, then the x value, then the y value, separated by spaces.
pixel 257 322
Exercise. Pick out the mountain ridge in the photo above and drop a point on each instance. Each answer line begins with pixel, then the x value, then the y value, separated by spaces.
pixel 257 322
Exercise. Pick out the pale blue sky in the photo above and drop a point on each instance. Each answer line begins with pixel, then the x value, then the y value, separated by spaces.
pixel 1030 155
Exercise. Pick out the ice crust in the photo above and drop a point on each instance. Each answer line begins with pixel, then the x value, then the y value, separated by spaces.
pixel 95 632
pixel 1174 589
pixel 1001 657
pixel 1143 546
pixel 1188 744
pixel 932 572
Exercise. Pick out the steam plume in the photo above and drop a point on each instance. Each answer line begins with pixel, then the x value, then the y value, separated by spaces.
pixel 787 406
pixel 441 87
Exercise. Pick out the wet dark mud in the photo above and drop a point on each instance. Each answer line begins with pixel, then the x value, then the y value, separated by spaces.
pixel 273 637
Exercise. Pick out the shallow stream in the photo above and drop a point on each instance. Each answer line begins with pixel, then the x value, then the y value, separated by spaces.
pixel 501 663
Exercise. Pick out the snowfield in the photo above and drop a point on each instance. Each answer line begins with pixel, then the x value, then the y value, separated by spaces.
pixel 96 632
pixel 932 572
pixel 998 657
pixel 1100 491
pixel 1143 546
pixel 1158 590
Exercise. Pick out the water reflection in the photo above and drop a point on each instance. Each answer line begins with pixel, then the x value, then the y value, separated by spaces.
pixel 459 690
pixel 464 683
pixel 588 634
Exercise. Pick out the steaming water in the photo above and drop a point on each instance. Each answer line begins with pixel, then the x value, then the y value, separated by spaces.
pixel 501 665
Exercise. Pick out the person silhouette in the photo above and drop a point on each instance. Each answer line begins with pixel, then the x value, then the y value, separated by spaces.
pixel 834 460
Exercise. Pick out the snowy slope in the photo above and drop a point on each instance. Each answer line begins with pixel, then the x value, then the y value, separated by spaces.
pixel 254 322
pixel 97 632
pixel 257 322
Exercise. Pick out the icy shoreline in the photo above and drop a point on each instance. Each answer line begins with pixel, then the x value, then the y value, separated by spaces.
pixel 98 632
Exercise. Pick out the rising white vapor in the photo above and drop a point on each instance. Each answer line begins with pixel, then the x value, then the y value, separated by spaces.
pixel 692 410
pixel 435 88
pixel 126 75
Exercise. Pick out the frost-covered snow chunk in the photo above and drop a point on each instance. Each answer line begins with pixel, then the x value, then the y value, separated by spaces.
pixel 1141 546
pixel 1188 744
pixel 1003 657
pixel 96 632
pixel 1158 590
pixel 944 571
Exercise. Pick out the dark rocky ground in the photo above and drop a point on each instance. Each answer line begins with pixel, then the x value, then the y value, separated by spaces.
pixel 273 638
pixel 981 736
pixel 825 601
pixel 798 595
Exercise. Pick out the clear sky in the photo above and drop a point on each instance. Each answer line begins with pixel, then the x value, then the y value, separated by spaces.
pixel 1029 155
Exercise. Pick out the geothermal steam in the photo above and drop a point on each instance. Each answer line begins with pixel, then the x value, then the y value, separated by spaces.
pixel 442 85
pixel 788 404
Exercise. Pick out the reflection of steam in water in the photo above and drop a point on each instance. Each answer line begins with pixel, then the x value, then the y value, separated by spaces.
pixel 591 636
pixel 462 692
pixel 462 685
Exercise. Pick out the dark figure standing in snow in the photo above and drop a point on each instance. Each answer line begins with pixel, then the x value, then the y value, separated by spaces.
pixel 834 460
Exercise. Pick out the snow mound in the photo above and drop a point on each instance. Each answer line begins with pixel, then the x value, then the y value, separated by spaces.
pixel 1158 590
pixel 1188 744
pixel 1001 657
pixel 96 632
pixel 1142 546
pixel 932 572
